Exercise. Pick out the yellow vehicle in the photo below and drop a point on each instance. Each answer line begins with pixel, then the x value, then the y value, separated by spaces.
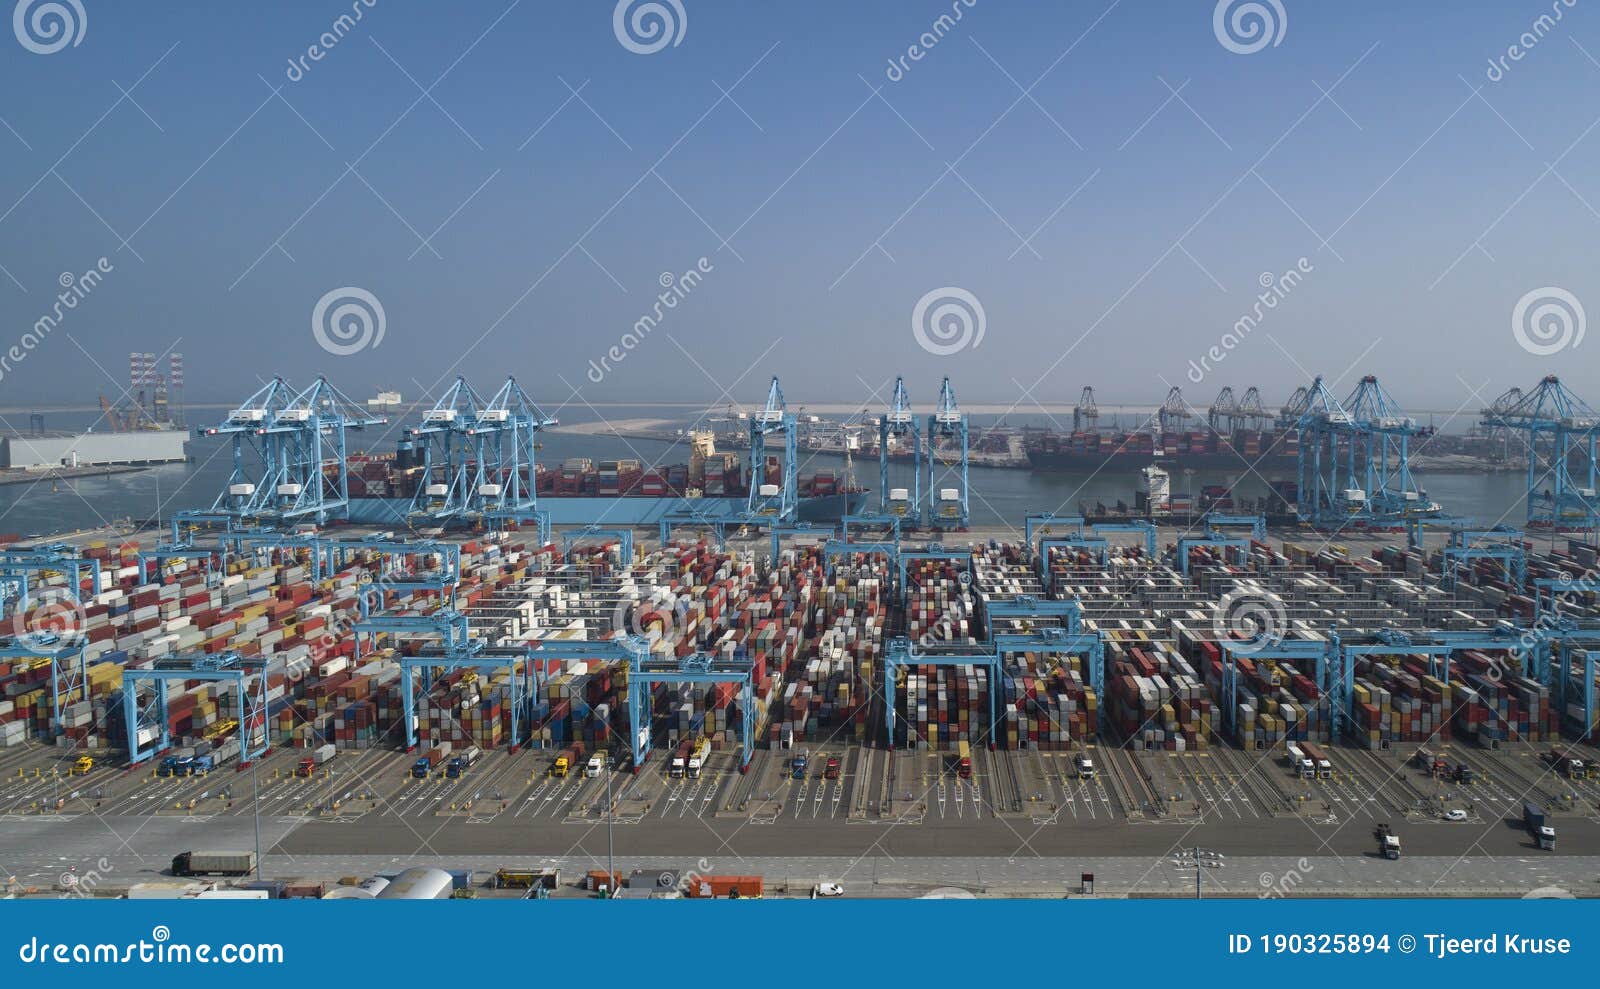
pixel 221 728
pixel 82 766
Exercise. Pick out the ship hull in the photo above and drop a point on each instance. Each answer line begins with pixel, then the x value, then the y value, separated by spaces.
pixel 624 511
pixel 1073 463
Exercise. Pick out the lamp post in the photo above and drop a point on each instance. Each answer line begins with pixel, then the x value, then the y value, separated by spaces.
pixel 1201 858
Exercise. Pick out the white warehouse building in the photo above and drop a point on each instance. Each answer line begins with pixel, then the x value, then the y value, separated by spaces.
pixel 93 449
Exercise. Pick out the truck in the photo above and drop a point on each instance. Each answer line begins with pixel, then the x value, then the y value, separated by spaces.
pixel 81 766
pixel 1565 763
pixel 679 766
pixel 457 767
pixel 1463 774
pixel 319 756
pixel 830 768
pixel 732 887
pixel 428 762
pixel 1300 762
pixel 1085 767
pixel 964 759
pixel 596 763
pixel 797 765
pixel 698 756
pixel 1388 843
pixel 1539 827
pixel 213 863
pixel 567 760
pixel 1319 759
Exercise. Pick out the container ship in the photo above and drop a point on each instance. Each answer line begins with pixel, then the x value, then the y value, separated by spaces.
pixel 580 490
pixel 1245 449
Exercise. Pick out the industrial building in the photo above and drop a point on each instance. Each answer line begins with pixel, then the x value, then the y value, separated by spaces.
pixel 93 449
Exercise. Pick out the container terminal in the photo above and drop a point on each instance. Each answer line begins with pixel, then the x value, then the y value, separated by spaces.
pixel 274 697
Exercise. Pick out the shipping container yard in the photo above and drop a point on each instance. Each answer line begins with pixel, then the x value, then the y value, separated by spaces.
pixel 1070 697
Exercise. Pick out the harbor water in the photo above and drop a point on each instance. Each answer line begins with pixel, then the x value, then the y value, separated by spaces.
pixel 999 496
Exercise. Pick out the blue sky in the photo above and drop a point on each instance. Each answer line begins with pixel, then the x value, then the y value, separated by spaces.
pixel 1035 157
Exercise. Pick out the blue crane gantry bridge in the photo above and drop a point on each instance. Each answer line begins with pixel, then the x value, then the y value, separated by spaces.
pixel 898 424
pixel 644 669
pixel 948 509
pixel 1557 423
pixel 246 674
pixel 477 457
pixel 284 441
pixel 1354 462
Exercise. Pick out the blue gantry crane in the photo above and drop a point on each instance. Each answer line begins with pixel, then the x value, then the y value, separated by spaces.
pixel 1500 542
pixel 478 457
pixel 289 455
pixel 1383 434
pixel 405 567
pixel 266 547
pixel 931 551
pixel 1559 424
pixel 57 558
pixel 696 667
pixel 896 426
pixel 774 501
pixel 948 508
pixel 624 538
pixel 469 654
pixel 65 655
pixel 1355 457
pixel 245 674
